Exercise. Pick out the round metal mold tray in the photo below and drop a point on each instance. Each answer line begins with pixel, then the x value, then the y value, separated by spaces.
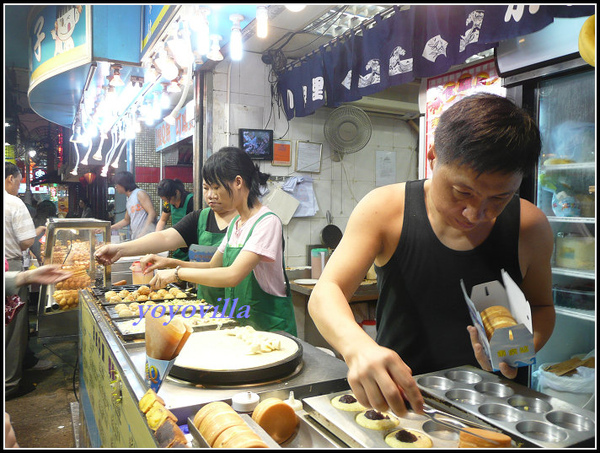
pixel 541 431
pixel 464 376
pixel 568 420
pixel 494 389
pixel 436 382
pixel 535 405
pixel 434 429
pixel 465 396
pixel 501 412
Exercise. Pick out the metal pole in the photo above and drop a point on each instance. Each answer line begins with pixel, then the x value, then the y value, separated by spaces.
pixel 198 138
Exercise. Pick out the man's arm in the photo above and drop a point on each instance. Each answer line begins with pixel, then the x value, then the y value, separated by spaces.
pixel 162 222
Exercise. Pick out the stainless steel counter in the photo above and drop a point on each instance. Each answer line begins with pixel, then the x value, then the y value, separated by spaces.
pixel 319 373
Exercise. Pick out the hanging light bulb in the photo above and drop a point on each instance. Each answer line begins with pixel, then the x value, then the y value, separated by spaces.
pixel 180 46
pixel 115 79
pixel 295 8
pixel 98 154
pixel 262 21
pixel 215 50
pixel 203 31
pixel 165 102
pixel 165 64
pixel 235 42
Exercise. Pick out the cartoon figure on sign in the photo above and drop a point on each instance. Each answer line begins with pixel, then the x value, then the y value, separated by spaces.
pixel 66 18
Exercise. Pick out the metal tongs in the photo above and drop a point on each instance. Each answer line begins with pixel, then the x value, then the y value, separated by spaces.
pixel 432 413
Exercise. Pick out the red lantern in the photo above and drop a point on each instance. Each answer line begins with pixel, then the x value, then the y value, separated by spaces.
pixel 89 177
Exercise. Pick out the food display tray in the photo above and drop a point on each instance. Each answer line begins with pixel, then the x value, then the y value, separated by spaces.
pixel 122 327
pixel 200 441
pixel 99 293
pixel 114 314
pixel 343 425
pixel 533 418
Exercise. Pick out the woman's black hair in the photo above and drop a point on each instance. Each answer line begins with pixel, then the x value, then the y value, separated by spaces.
pixel 11 169
pixel 168 188
pixel 223 166
pixel 488 133
pixel 125 179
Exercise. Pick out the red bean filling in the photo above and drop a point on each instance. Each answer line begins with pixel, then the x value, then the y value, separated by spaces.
pixel 406 436
pixel 374 415
pixel 347 399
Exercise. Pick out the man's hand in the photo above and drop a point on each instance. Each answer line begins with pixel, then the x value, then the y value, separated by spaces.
pixel 482 359
pixel 380 379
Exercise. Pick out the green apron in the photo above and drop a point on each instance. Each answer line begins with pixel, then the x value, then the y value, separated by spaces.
pixel 176 215
pixel 267 312
pixel 206 238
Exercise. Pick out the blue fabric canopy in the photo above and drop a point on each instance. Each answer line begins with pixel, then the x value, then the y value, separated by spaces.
pixel 422 41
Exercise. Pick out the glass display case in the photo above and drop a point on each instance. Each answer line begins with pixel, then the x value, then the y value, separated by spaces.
pixel 70 243
pixel 562 97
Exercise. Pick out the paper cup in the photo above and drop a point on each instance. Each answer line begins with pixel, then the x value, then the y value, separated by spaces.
pixel 156 372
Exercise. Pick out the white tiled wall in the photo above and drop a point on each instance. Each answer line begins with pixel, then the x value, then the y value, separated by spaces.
pixel 340 185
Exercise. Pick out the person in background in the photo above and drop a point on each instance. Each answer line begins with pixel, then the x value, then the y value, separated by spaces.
pixel 205 227
pixel 10 438
pixel 249 261
pixel 86 210
pixel 140 214
pixel 177 203
pixel 19 235
pixel 465 223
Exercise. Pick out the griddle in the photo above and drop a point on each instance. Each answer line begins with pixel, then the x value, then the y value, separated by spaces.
pixel 263 373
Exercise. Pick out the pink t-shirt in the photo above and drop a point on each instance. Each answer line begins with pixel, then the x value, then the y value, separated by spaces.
pixel 266 242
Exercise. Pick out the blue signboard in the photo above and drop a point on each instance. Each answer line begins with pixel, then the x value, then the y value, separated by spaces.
pixel 59 37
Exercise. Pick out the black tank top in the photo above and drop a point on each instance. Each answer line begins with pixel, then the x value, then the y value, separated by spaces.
pixel 421 312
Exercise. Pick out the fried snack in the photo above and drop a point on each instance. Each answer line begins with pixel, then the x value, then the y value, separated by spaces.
pixel 144 290
pixel 496 317
pixel 347 402
pixel 149 398
pixel 277 418
pixel 468 441
pixel 408 438
pixel 376 420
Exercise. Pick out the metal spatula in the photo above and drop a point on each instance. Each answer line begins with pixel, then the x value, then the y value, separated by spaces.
pixel 433 413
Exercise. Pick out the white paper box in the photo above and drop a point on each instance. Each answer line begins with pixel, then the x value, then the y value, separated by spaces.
pixel 513 345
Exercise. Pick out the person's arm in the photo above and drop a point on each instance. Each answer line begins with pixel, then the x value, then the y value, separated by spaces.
pixel 146 203
pixel 156 242
pixel 375 373
pixel 162 222
pixel 121 223
pixel 25 244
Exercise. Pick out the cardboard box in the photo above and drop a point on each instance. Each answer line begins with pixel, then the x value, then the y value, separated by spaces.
pixel 513 345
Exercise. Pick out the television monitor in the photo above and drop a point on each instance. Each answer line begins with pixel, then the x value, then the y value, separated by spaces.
pixel 257 143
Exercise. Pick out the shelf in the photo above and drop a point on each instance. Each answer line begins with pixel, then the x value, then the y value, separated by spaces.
pixel 586 315
pixel 571 219
pixel 574 273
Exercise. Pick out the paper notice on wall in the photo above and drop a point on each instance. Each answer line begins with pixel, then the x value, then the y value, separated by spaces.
pixel 385 168
pixel 302 190
pixel 282 204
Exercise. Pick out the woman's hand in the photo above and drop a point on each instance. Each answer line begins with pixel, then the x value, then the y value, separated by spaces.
pixel 151 262
pixel 108 254
pixel 483 360
pixel 44 275
pixel 162 278
pixel 380 379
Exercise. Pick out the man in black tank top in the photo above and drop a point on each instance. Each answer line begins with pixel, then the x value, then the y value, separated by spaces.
pixel 466 222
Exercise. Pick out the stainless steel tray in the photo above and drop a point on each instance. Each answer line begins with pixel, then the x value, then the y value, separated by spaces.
pixel 343 425
pixel 533 417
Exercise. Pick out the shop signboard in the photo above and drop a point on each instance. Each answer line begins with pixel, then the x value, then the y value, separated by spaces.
pixel 167 134
pixel 60 39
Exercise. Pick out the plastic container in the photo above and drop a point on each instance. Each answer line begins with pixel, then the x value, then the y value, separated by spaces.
pixel 369 326
pixel 244 402
pixel 579 298
pixel 578 389
pixel 137 277
pixel 318 259
pixel 575 252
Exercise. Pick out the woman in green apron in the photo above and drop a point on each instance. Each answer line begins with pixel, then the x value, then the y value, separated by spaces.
pixel 249 262
pixel 177 203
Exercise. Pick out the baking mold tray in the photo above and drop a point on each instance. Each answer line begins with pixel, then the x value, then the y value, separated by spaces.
pixel 530 417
